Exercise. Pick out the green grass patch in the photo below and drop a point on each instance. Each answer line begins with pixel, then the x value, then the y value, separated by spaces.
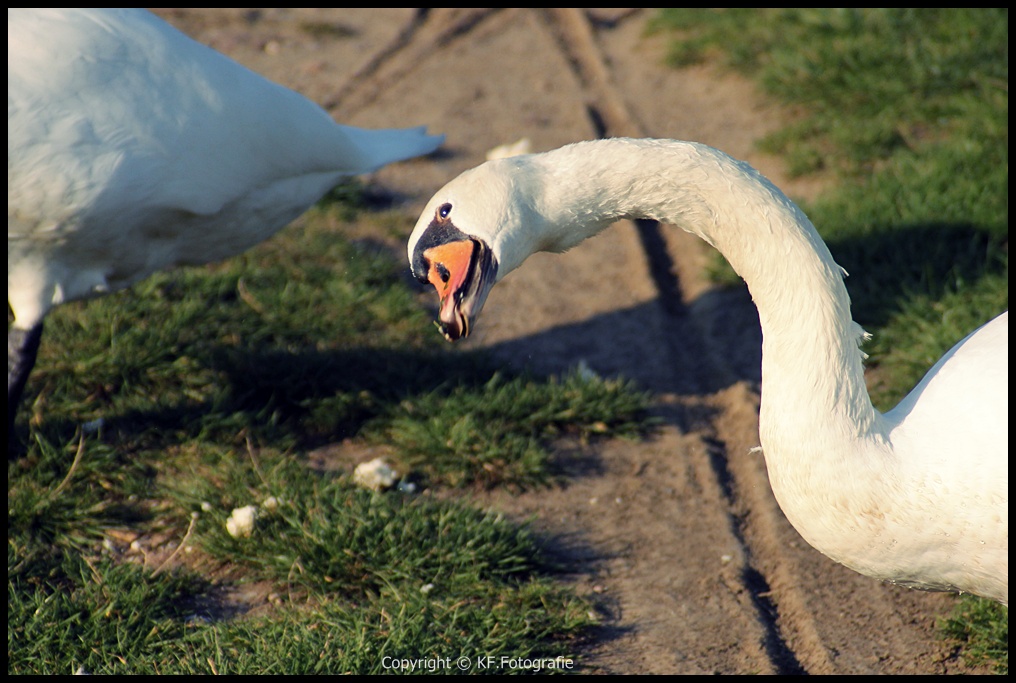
pixel 983 627
pixel 871 82
pixel 464 437
pixel 358 579
pixel 156 412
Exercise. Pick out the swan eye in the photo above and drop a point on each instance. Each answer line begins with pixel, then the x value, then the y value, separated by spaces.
pixel 444 211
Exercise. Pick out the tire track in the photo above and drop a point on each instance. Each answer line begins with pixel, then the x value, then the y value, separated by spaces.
pixel 427 31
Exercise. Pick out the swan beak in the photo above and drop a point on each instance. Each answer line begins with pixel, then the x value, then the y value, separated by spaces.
pixel 462 272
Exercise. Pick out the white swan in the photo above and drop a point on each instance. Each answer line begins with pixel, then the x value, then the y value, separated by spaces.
pixel 918 496
pixel 132 148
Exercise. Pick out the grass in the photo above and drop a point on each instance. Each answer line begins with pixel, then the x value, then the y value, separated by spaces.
pixel 154 413
pixel 909 110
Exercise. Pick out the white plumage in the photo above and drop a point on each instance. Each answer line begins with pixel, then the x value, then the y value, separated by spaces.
pixel 132 148
pixel 918 496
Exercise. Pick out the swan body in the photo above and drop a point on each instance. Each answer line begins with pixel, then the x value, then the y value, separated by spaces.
pixel 132 148
pixel 918 496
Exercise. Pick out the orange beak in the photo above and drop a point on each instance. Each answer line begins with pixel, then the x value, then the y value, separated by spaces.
pixel 462 272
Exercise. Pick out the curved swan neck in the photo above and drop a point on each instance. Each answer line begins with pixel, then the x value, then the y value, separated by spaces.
pixel 816 422
pixel 809 338
pixel 871 492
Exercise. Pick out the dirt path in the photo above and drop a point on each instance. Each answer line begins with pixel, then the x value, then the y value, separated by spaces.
pixel 678 540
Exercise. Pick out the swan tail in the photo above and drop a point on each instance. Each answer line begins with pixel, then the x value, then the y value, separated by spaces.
pixel 380 147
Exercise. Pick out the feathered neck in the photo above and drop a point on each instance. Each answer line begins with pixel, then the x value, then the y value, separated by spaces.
pixel 798 288
pixel 817 421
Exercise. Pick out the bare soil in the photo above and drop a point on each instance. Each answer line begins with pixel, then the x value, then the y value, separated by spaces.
pixel 678 540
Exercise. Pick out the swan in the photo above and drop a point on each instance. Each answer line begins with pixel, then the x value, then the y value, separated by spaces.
pixel 918 496
pixel 132 148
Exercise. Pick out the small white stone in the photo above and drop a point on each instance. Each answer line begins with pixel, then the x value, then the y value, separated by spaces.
pixel 241 521
pixel 376 475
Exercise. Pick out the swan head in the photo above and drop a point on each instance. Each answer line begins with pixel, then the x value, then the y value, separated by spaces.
pixel 458 244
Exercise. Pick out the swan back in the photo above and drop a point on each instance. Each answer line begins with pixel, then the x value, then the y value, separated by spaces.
pixel 951 436
pixel 132 148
